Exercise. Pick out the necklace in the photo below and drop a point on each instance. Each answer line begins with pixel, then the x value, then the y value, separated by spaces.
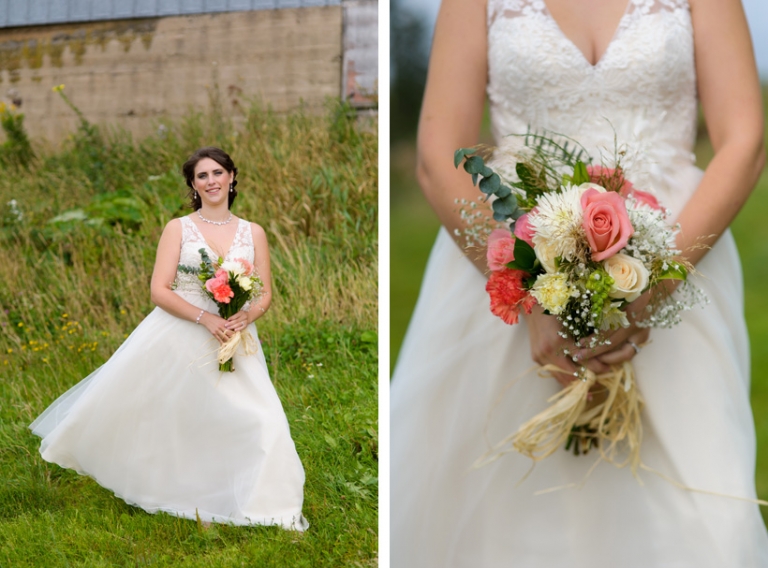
pixel 214 222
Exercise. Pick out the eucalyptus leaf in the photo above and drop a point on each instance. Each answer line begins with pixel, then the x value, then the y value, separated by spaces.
pixel 491 185
pixel 474 165
pixel 460 154
pixel 503 191
pixel 505 206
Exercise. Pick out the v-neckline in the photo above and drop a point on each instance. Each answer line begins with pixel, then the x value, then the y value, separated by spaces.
pixel 573 45
pixel 213 250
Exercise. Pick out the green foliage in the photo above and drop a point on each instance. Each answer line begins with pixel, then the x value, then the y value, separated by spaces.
pixel 78 245
pixel 16 151
pixel 525 258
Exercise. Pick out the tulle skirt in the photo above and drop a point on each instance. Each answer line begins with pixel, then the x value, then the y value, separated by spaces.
pixel 163 429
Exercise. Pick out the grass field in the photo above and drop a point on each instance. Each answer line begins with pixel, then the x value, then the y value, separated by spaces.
pixel 414 227
pixel 78 229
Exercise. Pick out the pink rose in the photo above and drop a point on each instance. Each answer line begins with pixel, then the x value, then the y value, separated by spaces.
pixel 606 223
pixel 523 229
pixel 647 198
pixel 212 283
pixel 611 179
pixel 501 249
pixel 221 274
pixel 247 266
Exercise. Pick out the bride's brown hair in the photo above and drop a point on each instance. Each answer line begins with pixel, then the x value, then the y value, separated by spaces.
pixel 220 157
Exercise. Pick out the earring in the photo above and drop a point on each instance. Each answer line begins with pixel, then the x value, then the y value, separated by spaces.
pixel 231 187
pixel 196 195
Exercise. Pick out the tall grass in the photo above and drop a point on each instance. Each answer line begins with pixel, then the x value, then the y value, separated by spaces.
pixel 78 231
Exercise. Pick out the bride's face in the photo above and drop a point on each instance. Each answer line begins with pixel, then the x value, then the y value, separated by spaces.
pixel 212 181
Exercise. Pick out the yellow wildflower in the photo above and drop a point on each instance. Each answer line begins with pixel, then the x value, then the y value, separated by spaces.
pixel 58 88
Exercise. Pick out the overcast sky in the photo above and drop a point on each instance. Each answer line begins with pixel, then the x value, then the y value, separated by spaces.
pixel 757 14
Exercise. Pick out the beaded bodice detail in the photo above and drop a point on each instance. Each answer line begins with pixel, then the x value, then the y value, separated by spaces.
pixel 192 241
pixel 640 93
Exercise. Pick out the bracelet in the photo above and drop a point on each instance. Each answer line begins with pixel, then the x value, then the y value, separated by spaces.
pixel 199 316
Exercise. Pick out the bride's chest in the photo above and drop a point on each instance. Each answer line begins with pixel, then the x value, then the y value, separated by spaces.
pixel 649 55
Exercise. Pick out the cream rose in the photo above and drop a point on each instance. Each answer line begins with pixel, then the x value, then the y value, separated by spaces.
pixel 630 276
pixel 585 186
pixel 245 283
pixel 546 252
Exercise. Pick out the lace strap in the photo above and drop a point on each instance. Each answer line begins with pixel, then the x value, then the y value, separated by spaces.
pixel 188 233
pixel 513 8
pixel 243 236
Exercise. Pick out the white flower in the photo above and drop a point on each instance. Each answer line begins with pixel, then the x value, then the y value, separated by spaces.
pixel 629 274
pixel 233 267
pixel 557 225
pixel 245 283
pixel 613 317
pixel 553 291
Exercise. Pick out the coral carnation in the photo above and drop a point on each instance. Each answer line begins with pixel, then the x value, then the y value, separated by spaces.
pixel 508 296
pixel 223 293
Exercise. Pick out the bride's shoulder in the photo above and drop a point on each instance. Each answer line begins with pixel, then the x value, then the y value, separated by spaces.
pixel 258 232
pixel 174 226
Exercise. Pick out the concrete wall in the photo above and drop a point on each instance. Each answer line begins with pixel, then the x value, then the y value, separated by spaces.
pixel 14 13
pixel 136 73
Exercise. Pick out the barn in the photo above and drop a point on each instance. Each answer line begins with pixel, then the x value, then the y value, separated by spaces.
pixel 135 63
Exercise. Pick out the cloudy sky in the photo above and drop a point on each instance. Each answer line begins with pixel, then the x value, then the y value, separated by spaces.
pixel 757 14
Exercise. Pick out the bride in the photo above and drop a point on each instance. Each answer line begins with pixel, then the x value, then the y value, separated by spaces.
pixel 158 424
pixel 598 71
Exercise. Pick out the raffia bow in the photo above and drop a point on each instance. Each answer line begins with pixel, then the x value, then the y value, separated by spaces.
pixel 612 417
pixel 228 349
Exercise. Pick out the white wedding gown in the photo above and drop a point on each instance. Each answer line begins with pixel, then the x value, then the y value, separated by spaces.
pixel 451 393
pixel 163 429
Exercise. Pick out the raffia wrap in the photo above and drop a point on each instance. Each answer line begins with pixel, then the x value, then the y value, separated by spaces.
pixel 613 414
pixel 227 350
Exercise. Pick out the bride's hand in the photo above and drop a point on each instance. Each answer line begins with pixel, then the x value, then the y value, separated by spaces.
pixel 547 347
pixel 624 343
pixel 216 325
pixel 237 322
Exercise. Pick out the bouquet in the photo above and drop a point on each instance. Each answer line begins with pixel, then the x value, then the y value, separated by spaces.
pixel 231 284
pixel 581 242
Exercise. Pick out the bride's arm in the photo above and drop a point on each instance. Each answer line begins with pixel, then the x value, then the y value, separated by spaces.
pixel 730 96
pixel 451 115
pixel 452 109
pixel 163 275
pixel 729 91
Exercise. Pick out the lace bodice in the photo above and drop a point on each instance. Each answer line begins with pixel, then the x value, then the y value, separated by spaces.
pixel 192 241
pixel 642 90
